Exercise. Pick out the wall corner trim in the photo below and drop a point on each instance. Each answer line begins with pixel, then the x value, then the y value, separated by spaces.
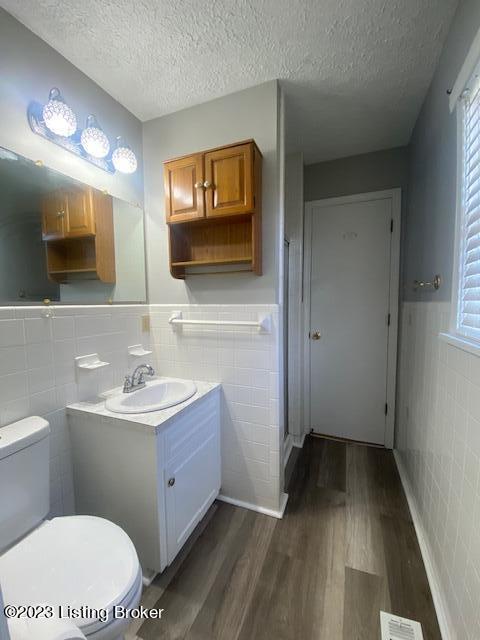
pixel 439 601
pixel 299 440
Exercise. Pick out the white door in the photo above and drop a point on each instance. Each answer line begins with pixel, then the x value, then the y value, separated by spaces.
pixel 349 316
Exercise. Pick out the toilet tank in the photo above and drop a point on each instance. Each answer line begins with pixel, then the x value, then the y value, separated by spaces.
pixel 24 478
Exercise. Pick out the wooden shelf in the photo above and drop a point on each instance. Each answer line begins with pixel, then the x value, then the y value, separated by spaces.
pixel 74 271
pixel 206 262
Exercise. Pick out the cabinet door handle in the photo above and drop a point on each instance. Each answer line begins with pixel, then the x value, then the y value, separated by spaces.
pixel 171 482
pixel 199 184
pixel 316 335
pixel 60 214
pixel 207 184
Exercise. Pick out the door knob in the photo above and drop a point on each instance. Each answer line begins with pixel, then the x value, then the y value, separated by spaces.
pixel 199 184
pixel 207 184
pixel 316 335
pixel 171 482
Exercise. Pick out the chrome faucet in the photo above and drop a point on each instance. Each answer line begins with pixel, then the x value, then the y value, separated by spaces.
pixel 137 379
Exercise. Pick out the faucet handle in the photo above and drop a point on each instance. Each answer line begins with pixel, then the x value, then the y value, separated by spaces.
pixel 128 384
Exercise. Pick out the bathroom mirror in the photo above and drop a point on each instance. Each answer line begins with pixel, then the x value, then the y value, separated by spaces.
pixel 65 241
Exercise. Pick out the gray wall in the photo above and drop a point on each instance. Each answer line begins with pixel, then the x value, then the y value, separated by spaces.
pixel 252 113
pixel 29 68
pixel 430 228
pixel 357 174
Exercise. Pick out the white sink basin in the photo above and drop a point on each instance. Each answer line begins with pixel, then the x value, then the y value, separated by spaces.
pixel 158 394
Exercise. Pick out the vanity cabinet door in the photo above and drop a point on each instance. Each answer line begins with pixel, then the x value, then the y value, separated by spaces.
pixel 79 221
pixel 192 482
pixel 54 208
pixel 229 181
pixel 183 182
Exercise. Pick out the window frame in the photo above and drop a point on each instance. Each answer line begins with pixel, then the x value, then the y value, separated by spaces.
pixel 456 336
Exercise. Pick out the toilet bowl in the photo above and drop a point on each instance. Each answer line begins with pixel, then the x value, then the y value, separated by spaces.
pixel 84 567
pixel 79 565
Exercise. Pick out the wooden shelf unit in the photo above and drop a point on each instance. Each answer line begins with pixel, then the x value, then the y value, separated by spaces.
pixel 213 208
pixel 91 255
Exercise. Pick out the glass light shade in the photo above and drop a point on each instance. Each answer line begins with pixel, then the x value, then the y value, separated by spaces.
pixel 94 140
pixel 123 158
pixel 58 116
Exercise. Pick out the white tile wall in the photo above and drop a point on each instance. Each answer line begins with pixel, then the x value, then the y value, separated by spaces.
pixel 438 437
pixel 246 363
pixel 37 373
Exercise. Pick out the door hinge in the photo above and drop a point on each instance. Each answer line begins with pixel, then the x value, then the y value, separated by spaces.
pixel 254 200
pixel 391 225
pixel 389 319
pixel 386 408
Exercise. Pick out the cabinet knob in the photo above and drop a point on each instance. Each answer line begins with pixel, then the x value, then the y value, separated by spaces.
pixel 60 214
pixel 199 184
pixel 171 482
pixel 316 335
pixel 207 184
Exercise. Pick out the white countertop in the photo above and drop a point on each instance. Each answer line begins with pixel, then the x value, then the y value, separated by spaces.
pixel 152 418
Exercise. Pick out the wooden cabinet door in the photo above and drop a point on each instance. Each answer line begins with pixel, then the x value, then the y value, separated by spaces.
pixel 79 219
pixel 229 185
pixel 183 180
pixel 54 207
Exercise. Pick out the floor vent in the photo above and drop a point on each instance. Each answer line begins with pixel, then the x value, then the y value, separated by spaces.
pixel 397 628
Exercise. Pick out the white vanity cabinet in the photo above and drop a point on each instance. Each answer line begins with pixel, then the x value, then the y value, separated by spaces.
pixel 154 474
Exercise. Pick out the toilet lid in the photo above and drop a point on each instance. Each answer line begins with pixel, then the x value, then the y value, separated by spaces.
pixel 76 561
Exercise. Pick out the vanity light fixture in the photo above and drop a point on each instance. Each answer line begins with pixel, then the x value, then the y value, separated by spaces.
pixel 57 122
pixel 58 116
pixel 123 158
pixel 94 140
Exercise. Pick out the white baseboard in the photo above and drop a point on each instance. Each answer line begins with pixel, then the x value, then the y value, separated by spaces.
pixel 287 449
pixel 299 441
pixel 255 507
pixel 439 601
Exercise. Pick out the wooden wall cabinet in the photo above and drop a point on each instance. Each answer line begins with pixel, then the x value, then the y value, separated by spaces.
pixel 213 208
pixel 77 226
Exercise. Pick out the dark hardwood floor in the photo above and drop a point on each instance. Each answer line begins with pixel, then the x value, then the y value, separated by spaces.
pixel 345 549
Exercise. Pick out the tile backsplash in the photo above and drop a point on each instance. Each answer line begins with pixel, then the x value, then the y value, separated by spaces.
pixel 438 439
pixel 38 375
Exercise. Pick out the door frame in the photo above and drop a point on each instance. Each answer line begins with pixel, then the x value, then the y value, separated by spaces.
pixel 395 195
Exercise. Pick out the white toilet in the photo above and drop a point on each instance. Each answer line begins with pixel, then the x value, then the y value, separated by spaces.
pixel 76 561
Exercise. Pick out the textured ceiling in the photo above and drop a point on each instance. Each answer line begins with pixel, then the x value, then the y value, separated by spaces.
pixel 355 72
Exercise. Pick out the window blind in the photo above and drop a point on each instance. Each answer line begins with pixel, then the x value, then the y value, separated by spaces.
pixel 468 322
